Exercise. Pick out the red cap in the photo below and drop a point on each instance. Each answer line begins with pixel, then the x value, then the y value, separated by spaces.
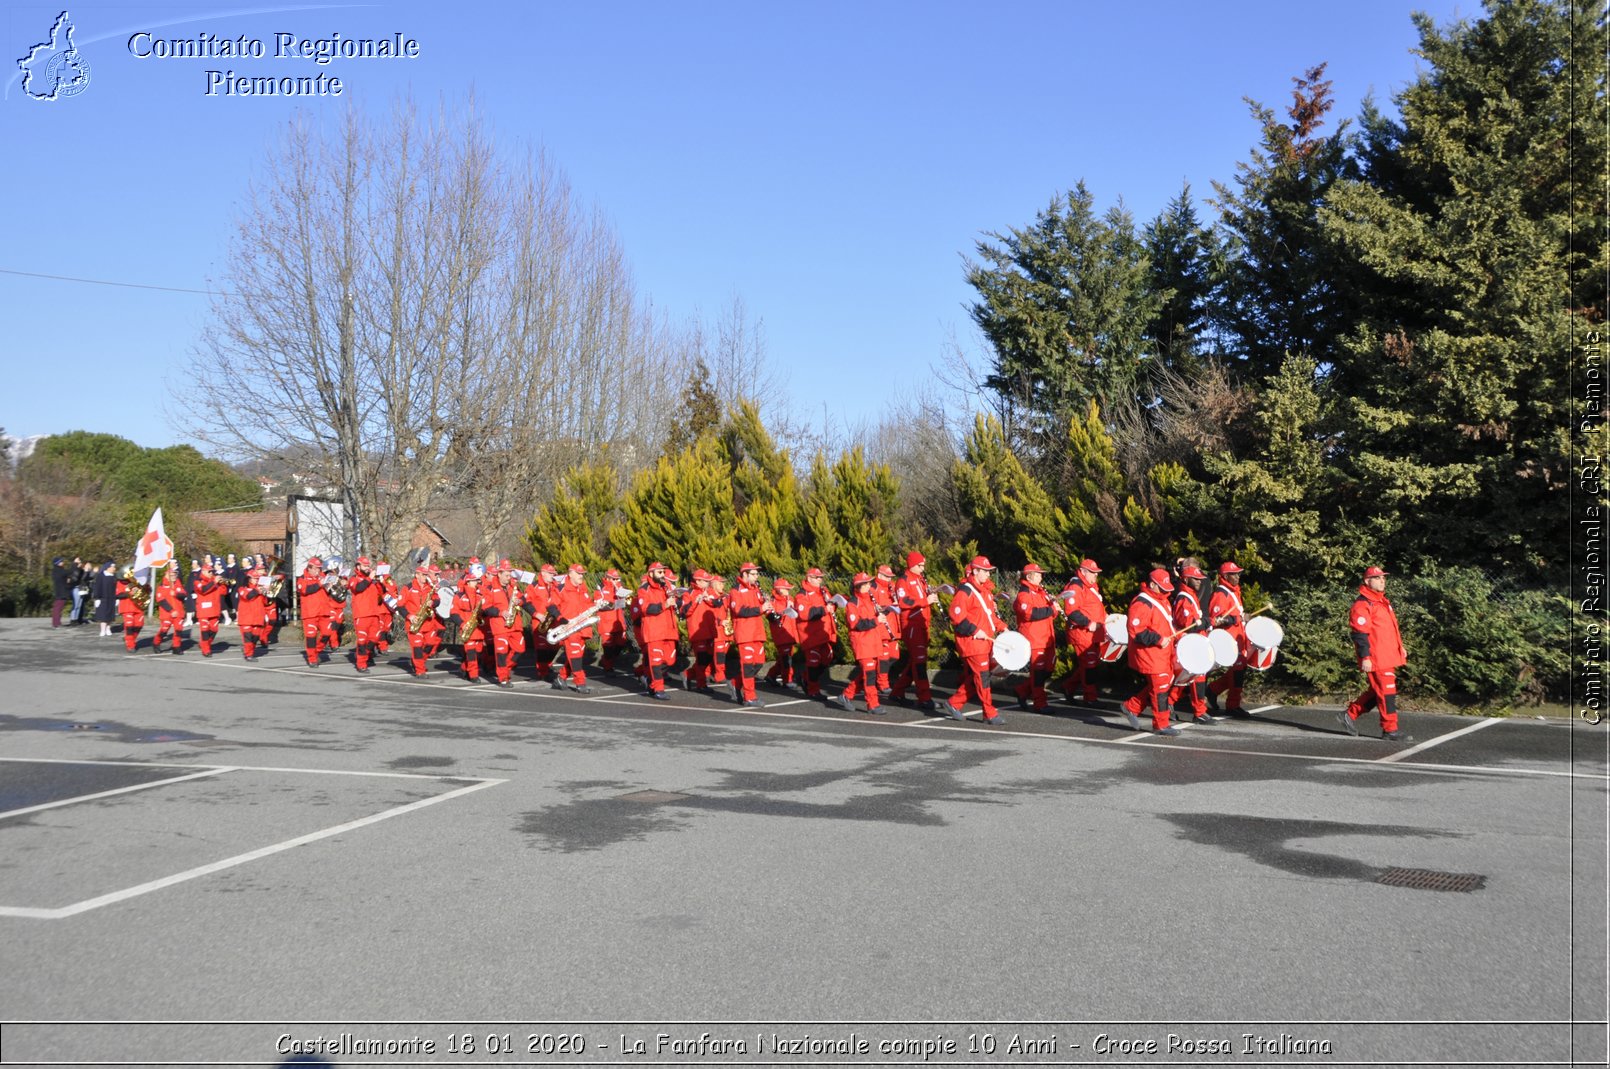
pixel 1032 567
pixel 860 577
pixel 1372 571
pixel 363 562
pixel 716 578
pixel 700 573
pixel 748 566
pixel 980 562
pixel 1160 577
pixel 504 566
pixel 814 573
pixel 548 569
pixel 1090 566
pixel 782 584
pixel 613 573
pixel 656 566
pixel 1229 567
pixel 884 569
pixel 914 558
pixel 578 567
pixel 1192 572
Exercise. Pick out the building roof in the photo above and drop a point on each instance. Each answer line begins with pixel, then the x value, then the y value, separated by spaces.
pixel 265 526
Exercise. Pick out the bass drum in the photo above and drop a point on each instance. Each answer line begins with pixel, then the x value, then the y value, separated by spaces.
pixel 1263 637
pixel 1195 654
pixel 1114 636
pixel 1011 650
pixel 1226 650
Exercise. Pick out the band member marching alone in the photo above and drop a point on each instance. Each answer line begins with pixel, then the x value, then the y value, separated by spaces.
pixel 1379 647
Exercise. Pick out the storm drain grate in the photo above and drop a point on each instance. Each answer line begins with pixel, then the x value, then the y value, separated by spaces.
pixel 652 797
pixel 1431 880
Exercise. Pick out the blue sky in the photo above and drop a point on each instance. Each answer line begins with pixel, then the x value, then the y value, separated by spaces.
pixel 830 164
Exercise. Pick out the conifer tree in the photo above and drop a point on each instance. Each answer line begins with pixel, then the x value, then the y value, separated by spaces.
pixel 766 492
pixel 680 512
pixel 1458 371
pixel 848 508
pixel 574 525
pixel 1012 518
pixel 1064 303
pixel 1280 292
pixel 1182 265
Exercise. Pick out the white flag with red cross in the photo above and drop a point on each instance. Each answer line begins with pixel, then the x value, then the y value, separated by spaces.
pixel 155 549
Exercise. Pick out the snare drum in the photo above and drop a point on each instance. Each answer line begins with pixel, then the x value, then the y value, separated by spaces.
pixel 1226 650
pixel 1194 653
pixel 1115 636
pixel 1264 637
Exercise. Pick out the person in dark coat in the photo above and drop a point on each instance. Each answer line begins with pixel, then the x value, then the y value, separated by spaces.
pixel 79 582
pixel 61 586
pixel 105 594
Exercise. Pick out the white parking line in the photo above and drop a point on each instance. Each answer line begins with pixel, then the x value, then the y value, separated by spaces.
pixel 61 912
pixel 108 794
pixel 1438 741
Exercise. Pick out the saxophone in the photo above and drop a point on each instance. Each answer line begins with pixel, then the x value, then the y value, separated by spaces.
pixel 427 609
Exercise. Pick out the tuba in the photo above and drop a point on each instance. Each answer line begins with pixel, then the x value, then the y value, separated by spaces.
pixel 135 592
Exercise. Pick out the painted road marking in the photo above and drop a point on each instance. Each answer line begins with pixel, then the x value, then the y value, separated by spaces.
pixel 61 912
pixel 1438 741
pixel 108 794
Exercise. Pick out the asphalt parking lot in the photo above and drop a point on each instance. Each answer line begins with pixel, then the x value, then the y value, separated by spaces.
pixel 214 862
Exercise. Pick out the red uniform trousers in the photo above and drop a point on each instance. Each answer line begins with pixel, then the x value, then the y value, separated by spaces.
pixel 575 647
pixel 913 665
pixel 1086 656
pixel 783 670
pixel 132 622
pixel 864 678
pixel 1381 694
pixel 659 657
pixel 1042 665
pixel 818 659
pixel 474 645
pixel 167 621
pixel 975 684
pixel 1154 694
pixel 368 629
pixel 751 659
pixel 425 642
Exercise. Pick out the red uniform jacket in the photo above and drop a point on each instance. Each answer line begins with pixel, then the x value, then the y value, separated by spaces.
pixel 867 634
pixel 1035 610
pixel 572 600
pixel 817 624
pixel 1187 611
pixel 973 619
pixel 125 604
pixel 748 608
pixel 497 608
pixel 366 594
pixel 170 597
pixel 1083 609
pixel 209 599
pixel 1375 631
pixel 1149 625
pixel 784 631
pixel 653 607
pixel 1226 601
pixel 611 622
pixel 911 596
pixel 418 593
pixel 251 605
pixel 315 601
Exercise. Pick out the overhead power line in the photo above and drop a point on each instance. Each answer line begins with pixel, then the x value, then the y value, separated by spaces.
pixel 104 282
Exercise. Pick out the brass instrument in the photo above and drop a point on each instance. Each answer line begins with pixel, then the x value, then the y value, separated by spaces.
pixel 135 592
pixel 273 586
pixel 565 630
pixel 335 586
pixel 427 609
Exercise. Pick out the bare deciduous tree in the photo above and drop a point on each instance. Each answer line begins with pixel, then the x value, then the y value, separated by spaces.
pixel 420 319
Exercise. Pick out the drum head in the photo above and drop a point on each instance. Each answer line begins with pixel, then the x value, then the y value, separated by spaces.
pixel 1225 648
pixel 1118 629
pixel 444 604
pixel 1195 653
pixel 1011 650
pixel 1264 633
